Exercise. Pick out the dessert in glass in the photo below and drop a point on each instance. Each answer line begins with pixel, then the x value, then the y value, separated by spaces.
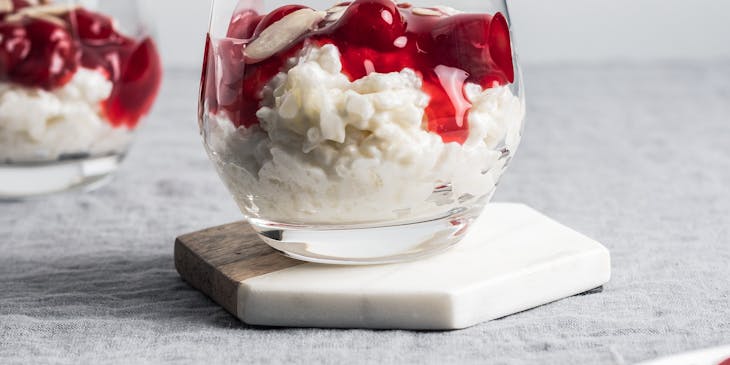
pixel 76 78
pixel 370 132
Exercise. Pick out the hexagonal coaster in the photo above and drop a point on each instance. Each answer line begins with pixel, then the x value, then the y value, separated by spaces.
pixel 513 259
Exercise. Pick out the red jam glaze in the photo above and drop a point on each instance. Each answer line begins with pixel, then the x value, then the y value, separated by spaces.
pixel 50 55
pixel 380 36
pixel 243 25
pixel 43 54
pixel 14 47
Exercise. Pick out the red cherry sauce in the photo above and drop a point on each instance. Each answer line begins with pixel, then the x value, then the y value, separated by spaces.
pixel 37 53
pixel 43 54
pixel 378 36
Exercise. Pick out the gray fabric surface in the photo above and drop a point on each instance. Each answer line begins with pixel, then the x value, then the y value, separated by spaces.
pixel 636 156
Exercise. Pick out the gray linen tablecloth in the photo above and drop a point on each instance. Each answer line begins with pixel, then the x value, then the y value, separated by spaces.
pixel 636 156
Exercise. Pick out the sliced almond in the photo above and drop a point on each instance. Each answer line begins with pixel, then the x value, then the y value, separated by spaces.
pixel 447 10
pixel 335 13
pixel 38 2
pixel 49 18
pixel 6 6
pixel 426 12
pixel 42 12
pixel 281 34
pixel 50 9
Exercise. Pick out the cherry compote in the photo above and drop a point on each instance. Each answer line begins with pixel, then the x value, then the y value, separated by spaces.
pixel 446 51
pixel 45 52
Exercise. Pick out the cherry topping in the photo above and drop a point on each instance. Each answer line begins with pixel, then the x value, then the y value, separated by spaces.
pixel 208 89
pixel 468 36
pixel 446 51
pixel 243 24
pixel 44 54
pixel 53 57
pixel 135 90
pixel 277 15
pixel 233 65
pixel 448 110
pixel 256 76
pixel 375 23
pixel 500 46
pixel 92 27
pixel 14 47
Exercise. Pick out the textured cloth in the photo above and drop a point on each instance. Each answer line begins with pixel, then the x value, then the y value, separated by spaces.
pixel 636 156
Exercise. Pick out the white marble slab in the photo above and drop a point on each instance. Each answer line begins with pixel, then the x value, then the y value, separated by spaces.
pixel 513 259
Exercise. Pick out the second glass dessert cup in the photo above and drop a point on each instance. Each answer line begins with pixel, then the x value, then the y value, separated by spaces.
pixel 370 132
pixel 76 78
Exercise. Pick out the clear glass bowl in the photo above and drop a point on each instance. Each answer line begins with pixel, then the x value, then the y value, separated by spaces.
pixel 76 78
pixel 369 132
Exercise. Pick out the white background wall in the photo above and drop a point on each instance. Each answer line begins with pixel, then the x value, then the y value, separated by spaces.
pixel 546 30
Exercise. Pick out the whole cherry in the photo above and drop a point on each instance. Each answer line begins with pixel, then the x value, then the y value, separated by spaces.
pixel 53 57
pixel 92 28
pixel 243 24
pixel 375 23
pixel 500 46
pixel 14 47
pixel 138 83
pixel 476 43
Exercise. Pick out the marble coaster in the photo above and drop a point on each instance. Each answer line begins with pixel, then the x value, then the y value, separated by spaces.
pixel 513 259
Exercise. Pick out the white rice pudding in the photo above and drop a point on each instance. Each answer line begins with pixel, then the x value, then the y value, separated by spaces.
pixel 328 150
pixel 38 125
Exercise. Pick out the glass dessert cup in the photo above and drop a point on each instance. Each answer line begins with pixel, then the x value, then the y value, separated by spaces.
pixel 372 132
pixel 76 78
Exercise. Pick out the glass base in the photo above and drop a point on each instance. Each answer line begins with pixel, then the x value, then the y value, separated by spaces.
pixel 21 181
pixel 366 245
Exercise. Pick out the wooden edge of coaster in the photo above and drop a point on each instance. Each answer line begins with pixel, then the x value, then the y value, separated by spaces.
pixel 217 260
pixel 202 276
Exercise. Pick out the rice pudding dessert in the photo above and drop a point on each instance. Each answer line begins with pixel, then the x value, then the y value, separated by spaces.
pixel 368 112
pixel 72 85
